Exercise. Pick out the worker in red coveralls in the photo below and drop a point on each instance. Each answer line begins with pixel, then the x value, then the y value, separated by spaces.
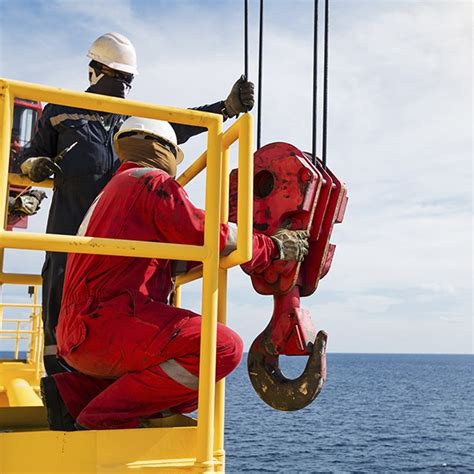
pixel 137 356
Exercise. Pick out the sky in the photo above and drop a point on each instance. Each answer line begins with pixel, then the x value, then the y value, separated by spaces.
pixel 399 136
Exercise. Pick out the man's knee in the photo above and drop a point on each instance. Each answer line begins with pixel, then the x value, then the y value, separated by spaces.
pixel 229 351
pixel 187 342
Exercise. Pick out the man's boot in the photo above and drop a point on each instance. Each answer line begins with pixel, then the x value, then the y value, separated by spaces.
pixel 59 418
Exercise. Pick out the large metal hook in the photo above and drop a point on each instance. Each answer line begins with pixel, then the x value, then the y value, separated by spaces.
pixel 289 332
pixel 280 392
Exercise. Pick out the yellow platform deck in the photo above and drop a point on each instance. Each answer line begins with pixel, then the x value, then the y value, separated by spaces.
pixel 26 445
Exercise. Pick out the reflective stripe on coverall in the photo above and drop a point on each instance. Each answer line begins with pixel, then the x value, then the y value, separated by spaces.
pixel 137 356
pixel 86 169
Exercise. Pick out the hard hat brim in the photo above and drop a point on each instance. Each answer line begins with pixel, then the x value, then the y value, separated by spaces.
pixel 117 66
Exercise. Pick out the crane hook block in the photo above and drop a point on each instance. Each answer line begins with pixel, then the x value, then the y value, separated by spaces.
pixel 291 191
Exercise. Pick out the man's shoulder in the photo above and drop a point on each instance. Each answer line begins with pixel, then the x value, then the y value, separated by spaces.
pixel 128 171
pixel 58 114
pixel 57 108
pixel 138 183
pixel 152 178
pixel 67 115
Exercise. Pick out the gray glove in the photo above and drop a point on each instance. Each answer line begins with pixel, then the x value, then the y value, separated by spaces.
pixel 241 98
pixel 38 168
pixel 292 244
pixel 27 204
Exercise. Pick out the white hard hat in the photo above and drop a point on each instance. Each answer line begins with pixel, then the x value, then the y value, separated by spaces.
pixel 156 128
pixel 115 51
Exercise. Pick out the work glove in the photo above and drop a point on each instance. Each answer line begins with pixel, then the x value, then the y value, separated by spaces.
pixel 241 98
pixel 28 203
pixel 292 244
pixel 38 168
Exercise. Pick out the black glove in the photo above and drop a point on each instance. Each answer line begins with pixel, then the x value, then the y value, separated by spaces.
pixel 241 98
pixel 292 244
pixel 38 168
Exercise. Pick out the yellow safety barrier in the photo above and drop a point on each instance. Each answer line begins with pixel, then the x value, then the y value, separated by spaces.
pixel 209 454
pixel 18 180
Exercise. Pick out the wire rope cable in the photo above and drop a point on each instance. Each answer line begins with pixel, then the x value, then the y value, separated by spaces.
pixel 315 82
pixel 325 83
pixel 260 74
pixel 246 39
pixel 315 77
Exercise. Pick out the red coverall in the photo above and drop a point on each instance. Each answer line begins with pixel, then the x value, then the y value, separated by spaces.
pixel 136 355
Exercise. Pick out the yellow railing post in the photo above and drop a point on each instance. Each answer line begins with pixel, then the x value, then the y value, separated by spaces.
pixel 32 345
pixel 219 451
pixel 17 339
pixel 5 135
pixel 2 258
pixel 1 295
pixel 210 285
pixel 177 297
pixel 6 112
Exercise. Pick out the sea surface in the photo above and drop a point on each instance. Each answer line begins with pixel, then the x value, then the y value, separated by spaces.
pixel 377 413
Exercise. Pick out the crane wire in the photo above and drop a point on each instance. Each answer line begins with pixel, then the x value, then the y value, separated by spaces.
pixel 325 83
pixel 246 39
pixel 260 74
pixel 315 83
pixel 315 76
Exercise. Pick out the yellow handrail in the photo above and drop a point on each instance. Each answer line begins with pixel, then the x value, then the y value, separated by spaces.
pixel 213 287
pixel 20 305
pixel 19 180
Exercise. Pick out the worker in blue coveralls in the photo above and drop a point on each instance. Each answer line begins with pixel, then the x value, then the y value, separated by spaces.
pixel 87 168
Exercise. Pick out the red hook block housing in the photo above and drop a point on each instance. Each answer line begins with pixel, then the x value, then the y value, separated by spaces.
pixel 293 193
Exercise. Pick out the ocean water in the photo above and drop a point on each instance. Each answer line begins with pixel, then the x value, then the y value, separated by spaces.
pixel 376 413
